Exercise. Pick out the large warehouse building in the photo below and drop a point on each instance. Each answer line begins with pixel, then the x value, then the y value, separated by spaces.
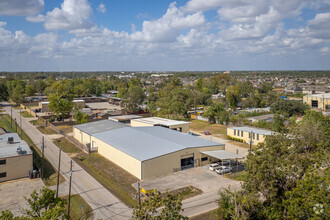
pixel 146 151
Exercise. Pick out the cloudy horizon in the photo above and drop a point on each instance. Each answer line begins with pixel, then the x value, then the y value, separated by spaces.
pixel 187 35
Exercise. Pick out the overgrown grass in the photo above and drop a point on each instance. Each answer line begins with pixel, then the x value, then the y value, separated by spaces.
pixel 46 130
pixel 36 122
pixel 66 128
pixel 50 174
pixel 111 176
pixel 17 107
pixel 25 114
pixel 210 215
pixel 79 209
pixel 239 176
pixel 214 129
pixel 186 192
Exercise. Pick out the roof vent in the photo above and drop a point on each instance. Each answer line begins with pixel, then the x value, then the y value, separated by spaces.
pixel 10 140
pixel 19 150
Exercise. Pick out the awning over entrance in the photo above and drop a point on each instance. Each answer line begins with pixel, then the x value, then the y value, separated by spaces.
pixel 222 155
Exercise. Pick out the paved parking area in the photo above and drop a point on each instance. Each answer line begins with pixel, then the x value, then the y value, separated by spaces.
pixel 200 177
pixel 12 194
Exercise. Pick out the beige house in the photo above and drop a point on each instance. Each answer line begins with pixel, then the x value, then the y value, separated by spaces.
pixel 182 126
pixel 16 160
pixel 249 133
pixel 147 151
pixel 318 101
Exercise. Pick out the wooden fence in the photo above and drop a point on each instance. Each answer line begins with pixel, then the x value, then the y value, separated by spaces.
pixel 28 110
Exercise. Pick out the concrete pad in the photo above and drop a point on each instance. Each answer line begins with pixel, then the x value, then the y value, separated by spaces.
pixel 12 194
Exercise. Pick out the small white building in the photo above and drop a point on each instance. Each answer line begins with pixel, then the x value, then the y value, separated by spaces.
pixel 16 159
pixel 181 126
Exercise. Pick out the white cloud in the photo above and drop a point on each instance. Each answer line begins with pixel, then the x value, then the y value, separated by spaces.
pixel 169 26
pixel 35 19
pixel 20 7
pixel 101 8
pixel 73 15
pixel 202 5
pixel 325 50
pixel 3 23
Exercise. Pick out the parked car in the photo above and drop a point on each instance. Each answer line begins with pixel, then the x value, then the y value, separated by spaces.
pixel 206 132
pixel 223 170
pixel 224 163
pixel 214 166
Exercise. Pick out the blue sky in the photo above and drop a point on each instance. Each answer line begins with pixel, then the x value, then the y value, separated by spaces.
pixel 164 35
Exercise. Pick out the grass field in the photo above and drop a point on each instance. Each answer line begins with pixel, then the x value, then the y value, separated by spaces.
pixel 112 177
pixel 36 122
pixel 239 176
pixel 210 215
pixel 79 209
pixel 46 130
pixel 215 129
pixel 25 114
pixel 66 128
pixel 50 173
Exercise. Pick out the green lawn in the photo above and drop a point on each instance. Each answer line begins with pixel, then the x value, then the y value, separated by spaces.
pixel 17 107
pixel 214 129
pixel 50 173
pixel 79 209
pixel 112 177
pixel 25 114
pixel 66 128
pixel 3 124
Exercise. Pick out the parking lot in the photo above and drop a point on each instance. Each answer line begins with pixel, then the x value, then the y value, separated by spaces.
pixel 200 177
pixel 12 194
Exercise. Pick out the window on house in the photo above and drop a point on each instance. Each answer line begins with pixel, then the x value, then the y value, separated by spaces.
pixel 250 135
pixel 254 136
pixel 204 158
pixel 258 137
pixel 235 132
pixel 2 162
pixel 2 175
pixel 241 133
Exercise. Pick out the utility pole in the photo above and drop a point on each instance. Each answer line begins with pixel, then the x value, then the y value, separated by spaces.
pixel 42 159
pixel 11 116
pixel 16 125
pixel 251 133
pixel 70 188
pixel 20 113
pixel 139 192
pixel 58 172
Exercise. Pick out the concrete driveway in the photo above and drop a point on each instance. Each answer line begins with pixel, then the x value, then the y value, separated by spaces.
pixel 12 194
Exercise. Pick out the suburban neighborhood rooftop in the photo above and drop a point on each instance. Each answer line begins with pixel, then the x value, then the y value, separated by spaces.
pixel 99 126
pixel 254 130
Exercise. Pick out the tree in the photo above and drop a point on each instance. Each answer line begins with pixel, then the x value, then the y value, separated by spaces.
pixel 41 206
pixel 214 112
pixel 80 118
pixel 289 107
pixel 278 124
pixel 29 90
pixel 3 92
pixel 172 207
pixel 17 94
pixel 60 105
pixel 133 98
pixel 233 96
pixel 284 176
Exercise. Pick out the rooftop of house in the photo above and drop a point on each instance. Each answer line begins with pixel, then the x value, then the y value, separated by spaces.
pixel 161 121
pixel 11 145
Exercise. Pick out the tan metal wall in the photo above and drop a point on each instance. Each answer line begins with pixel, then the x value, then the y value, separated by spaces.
pixel 17 167
pixel 245 138
pixel 172 162
pixel 118 157
pixel 140 124
pixel 322 102
pixel 81 136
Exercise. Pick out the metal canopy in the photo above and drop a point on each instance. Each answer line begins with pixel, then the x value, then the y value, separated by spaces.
pixel 222 155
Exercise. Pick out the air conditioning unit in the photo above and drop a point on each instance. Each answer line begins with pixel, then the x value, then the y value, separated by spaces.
pixel 10 140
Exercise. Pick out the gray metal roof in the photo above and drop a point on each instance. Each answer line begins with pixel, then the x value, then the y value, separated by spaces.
pixel 99 126
pixel 144 143
pixel 10 150
pixel 161 121
pixel 222 155
pixel 254 130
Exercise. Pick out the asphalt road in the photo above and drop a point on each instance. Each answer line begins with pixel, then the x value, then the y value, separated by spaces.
pixel 104 204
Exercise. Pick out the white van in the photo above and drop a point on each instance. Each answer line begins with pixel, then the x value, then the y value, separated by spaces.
pixel 214 166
